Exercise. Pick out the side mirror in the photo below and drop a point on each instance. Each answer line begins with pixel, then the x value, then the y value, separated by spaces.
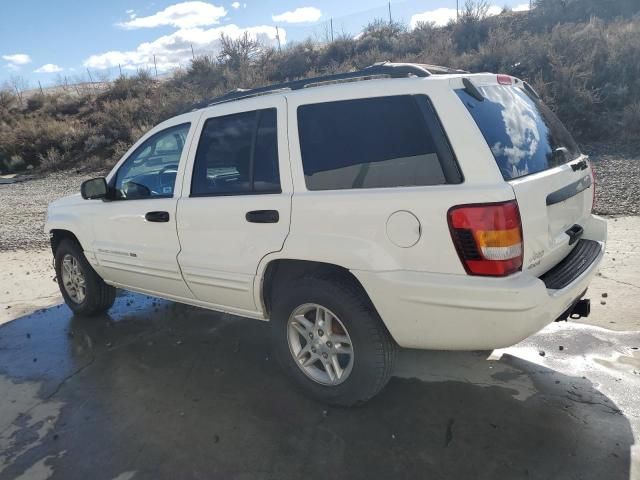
pixel 94 188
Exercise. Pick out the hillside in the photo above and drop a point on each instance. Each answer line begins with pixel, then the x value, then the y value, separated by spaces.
pixel 582 56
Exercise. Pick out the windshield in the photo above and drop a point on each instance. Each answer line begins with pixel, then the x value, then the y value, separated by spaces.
pixel 525 137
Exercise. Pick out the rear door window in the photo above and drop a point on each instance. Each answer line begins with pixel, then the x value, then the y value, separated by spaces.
pixel 377 142
pixel 524 135
pixel 237 154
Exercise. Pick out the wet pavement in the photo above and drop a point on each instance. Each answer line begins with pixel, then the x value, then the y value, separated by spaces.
pixel 157 390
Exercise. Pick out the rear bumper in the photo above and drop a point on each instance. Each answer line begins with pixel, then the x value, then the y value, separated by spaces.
pixel 455 312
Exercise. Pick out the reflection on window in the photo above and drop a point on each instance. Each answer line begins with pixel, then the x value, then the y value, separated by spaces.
pixel 150 171
pixel 368 143
pixel 238 154
pixel 524 135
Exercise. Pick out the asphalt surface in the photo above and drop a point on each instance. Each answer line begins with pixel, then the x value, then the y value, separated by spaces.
pixel 156 390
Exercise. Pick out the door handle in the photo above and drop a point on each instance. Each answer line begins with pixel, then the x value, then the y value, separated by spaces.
pixel 157 216
pixel 263 216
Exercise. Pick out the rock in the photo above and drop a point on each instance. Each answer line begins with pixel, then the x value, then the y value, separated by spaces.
pixel 542 353
pixel 560 348
pixel 605 295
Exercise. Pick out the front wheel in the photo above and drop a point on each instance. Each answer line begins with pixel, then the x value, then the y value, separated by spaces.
pixel 82 288
pixel 330 340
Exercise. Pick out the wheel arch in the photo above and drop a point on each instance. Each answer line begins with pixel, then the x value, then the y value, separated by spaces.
pixel 57 235
pixel 283 269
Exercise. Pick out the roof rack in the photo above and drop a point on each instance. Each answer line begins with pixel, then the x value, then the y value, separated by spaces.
pixel 393 70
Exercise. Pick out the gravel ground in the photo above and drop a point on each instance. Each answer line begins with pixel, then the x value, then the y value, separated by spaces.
pixel 23 205
pixel 617 179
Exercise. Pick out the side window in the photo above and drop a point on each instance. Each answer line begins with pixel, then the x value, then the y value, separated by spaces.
pixel 237 154
pixel 150 171
pixel 372 143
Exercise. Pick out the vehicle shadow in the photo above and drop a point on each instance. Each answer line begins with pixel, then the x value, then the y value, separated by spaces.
pixel 159 390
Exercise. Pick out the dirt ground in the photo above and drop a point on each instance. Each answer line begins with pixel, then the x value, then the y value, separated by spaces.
pixel 157 390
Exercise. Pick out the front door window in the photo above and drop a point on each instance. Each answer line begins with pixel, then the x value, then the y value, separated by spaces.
pixel 150 171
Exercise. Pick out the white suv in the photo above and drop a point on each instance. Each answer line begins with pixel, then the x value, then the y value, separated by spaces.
pixel 401 205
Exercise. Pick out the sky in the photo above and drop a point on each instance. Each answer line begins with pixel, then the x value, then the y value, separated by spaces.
pixel 47 41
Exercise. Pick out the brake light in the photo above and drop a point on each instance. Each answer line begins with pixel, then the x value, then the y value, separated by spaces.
pixel 504 79
pixel 488 237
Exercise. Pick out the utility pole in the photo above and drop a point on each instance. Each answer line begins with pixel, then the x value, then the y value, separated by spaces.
pixel 278 38
pixel 331 29
pixel 120 68
pixel 193 55
pixel 155 66
pixel 40 85
pixel 390 13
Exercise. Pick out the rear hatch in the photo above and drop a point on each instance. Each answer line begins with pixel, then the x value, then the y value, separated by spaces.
pixel 537 156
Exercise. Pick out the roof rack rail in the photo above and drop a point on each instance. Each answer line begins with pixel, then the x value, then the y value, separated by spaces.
pixel 393 70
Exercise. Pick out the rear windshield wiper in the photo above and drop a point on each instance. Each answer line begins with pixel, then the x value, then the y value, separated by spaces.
pixel 472 90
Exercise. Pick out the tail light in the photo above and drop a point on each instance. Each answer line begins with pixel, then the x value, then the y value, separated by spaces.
pixel 488 237
pixel 504 79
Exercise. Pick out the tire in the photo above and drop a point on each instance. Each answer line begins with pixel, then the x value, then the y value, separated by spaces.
pixel 98 296
pixel 373 349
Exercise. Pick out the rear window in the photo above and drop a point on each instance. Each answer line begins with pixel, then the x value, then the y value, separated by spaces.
pixel 523 134
pixel 371 143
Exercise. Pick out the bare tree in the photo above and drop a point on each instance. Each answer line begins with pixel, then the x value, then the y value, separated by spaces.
pixel 474 11
pixel 238 52
pixel 19 84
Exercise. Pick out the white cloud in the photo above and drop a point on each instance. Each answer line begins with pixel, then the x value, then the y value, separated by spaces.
pixel 49 68
pixel 175 49
pixel 235 5
pixel 17 58
pixel 299 15
pixel 442 16
pixel 439 16
pixel 521 8
pixel 179 15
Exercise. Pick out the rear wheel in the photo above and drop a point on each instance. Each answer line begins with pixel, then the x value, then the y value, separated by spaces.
pixel 82 288
pixel 330 340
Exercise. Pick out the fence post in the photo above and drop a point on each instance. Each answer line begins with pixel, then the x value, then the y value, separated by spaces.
pixel 91 81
